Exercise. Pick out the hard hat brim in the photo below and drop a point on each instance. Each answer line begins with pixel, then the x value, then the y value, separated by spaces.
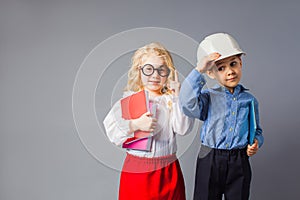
pixel 231 54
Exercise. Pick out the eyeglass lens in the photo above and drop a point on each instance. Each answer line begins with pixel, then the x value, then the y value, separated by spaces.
pixel 149 69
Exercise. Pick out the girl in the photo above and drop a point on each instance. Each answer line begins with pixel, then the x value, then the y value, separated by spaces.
pixel 155 174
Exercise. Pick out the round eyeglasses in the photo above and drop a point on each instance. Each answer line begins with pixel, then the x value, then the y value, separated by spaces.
pixel 149 69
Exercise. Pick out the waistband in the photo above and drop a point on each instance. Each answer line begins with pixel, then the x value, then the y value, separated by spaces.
pixel 155 160
pixel 205 150
pixel 136 164
pixel 231 151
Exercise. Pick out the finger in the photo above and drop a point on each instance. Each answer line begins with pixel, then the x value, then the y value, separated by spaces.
pixel 254 149
pixel 248 153
pixel 153 124
pixel 148 114
pixel 253 146
pixel 175 75
pixel 171 86
pixel 214 56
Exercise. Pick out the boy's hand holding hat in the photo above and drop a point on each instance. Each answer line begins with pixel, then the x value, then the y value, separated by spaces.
pixel 207 62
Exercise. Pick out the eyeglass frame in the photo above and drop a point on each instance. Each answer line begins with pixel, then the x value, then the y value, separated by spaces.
pixel 157 69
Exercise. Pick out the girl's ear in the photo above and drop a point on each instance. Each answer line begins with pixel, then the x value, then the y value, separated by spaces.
pixel 210 74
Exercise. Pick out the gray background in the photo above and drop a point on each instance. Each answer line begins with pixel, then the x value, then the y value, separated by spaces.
pixel 43 43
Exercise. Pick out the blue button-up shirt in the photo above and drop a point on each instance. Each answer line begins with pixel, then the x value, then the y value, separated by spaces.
pixel 225 115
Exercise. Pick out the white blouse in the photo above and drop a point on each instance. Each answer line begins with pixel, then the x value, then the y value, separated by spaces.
pixel 170 121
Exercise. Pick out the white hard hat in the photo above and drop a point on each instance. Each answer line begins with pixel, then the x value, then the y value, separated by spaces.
pixel 221 43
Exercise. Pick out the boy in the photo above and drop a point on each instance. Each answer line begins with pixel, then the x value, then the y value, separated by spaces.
pixel 223 163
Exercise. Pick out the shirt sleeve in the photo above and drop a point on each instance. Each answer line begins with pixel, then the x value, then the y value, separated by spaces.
pixel 116 127
pixel 192 102
pixel 258 133
pixel 181 123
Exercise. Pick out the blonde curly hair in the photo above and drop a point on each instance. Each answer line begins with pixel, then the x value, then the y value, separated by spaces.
pixel 134 76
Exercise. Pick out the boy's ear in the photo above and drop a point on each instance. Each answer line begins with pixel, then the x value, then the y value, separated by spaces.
pixel 241 62
pixel 210 74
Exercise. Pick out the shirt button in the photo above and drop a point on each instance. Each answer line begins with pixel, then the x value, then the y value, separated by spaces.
pixel 227 145
pixel 234 99
pixel 233 113
pixel 230 129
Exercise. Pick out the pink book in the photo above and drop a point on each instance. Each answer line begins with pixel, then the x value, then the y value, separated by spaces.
pixel 142 144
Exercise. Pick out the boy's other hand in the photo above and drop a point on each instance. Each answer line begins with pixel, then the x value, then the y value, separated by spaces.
pixel 252 149
pixel 207 62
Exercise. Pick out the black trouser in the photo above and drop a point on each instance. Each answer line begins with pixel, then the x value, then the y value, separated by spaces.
pixel 221 172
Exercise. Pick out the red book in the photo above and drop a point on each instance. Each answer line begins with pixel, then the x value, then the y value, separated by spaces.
pixel 133 107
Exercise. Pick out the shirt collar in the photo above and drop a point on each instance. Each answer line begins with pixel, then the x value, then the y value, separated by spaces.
pixel 238 89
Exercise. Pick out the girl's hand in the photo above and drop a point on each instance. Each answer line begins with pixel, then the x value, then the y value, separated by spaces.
pixel 251 150
pixel 175 85
pixel 144 123
pixel 207 62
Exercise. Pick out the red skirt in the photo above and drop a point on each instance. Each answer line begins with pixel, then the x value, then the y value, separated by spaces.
pixel 151 179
